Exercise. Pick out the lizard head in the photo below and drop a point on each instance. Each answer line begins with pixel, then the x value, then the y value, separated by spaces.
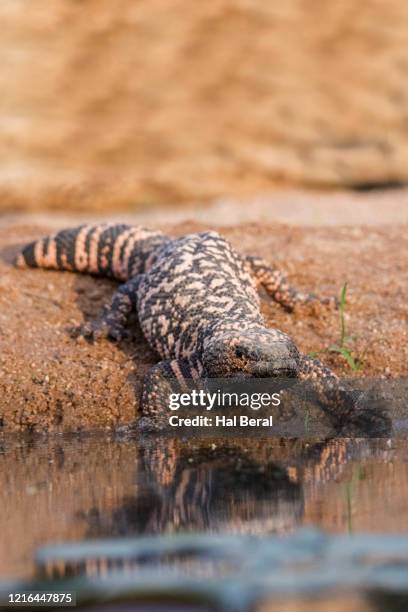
pixel 264 353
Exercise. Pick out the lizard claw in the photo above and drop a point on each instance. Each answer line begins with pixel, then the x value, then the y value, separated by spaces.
pixel 99 329
pixel 147 424
pixel 332 302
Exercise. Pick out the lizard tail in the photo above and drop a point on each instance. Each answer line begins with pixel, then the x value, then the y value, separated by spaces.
pixel 113 250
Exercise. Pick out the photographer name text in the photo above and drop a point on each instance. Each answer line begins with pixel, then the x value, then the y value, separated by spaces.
pixel 238 420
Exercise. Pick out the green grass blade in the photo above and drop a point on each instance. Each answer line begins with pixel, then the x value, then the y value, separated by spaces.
pixel 343 297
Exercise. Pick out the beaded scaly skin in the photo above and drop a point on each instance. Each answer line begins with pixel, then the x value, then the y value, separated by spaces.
pixel 197 302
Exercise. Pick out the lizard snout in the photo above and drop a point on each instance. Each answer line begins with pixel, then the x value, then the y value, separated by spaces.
pixel 273 369
pixel 259 354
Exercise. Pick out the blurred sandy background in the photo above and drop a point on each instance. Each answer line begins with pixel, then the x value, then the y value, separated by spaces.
pixel 108 105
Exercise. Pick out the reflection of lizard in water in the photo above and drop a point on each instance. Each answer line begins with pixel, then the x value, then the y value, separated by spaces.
pixel 198 306
pixel 244 486
pixel 190 487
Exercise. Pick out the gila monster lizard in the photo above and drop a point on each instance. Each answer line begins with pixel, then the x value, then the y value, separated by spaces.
pixel 197 304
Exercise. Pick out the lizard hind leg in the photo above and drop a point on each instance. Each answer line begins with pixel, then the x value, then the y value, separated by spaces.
pixel 276 285
pixel 113 321
pixel 174 376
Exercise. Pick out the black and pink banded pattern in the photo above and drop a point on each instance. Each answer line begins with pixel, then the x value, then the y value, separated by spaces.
pixel 197 303
pixel 111 250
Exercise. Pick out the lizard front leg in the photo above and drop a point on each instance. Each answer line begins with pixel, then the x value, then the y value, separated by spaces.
pixel 164 379
pixel 348 409
pixel 276 285
pixel 113 321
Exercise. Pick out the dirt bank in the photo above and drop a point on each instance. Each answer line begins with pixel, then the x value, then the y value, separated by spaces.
pixel 51 381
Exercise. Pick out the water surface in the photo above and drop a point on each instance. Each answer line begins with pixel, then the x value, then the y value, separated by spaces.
pixel 71 488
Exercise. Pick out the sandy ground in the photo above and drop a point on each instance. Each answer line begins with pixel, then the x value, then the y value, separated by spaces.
pixel 50 381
